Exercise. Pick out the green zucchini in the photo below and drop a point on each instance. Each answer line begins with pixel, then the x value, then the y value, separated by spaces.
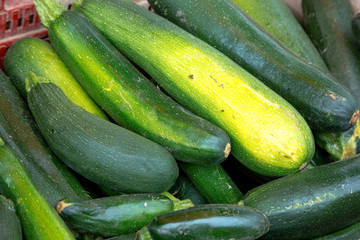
pixel 355 25
pixel 38 218
pixel 19 131
pixel 324 103
pixel 351 232
pixel 213 183
pixel 97 149
pixel 127 96
pixel 310 203
pixel 276 17
pixel 210 221
pixel 36 55
pixel 129 236
pixel 112 216
pixel 10 228
pixel 267 134
pixel 328 23
pixel 187 190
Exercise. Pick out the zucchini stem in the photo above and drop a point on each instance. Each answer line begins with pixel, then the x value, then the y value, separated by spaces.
pixel 48 10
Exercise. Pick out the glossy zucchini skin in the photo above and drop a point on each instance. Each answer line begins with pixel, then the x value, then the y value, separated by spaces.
pixel 211 221
pixel 328 23
pixel 276 17
pixel 10 227
pixel 93 146
pixel 222 189
pixel 112 216
pixel 19 130
pixel 324 103
pixel 129 98
pixel 36 55
pixel 321 200
pixel 38 218
pixel 351 232
pixel 209 84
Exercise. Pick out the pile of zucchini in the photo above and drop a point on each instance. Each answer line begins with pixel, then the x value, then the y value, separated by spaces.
pixel 200 119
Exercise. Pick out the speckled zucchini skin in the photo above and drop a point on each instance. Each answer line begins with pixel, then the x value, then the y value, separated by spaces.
pixel 325 104
pixel 103 152
pixel 10 228
pixel 36 55
pixel 321 200
pixel 276 17
pixel 211 221
pixel 38 218
pixel 267 134
pixel 131 99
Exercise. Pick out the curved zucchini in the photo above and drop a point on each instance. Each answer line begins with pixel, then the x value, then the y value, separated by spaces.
pixel 36 55
pixel 276 17
pixel 211 221
pixel 131 99
pixel 267 134
pixel 99 150
pixel 38 218
pixel 112 216
pixel 324 103
pixel 352 232
pixel 321 200
pixel 328 23
pixel 10 228
pixel 18 129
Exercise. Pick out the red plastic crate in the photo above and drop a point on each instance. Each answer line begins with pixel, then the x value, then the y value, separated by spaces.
pixel 19 19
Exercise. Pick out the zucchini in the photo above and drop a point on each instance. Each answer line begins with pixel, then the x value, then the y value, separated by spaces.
pixel 187 190
pixel 210 221
pixel 209 84
pixel 321 200
pixel 221 190
pixel 36 55
pixel 355 25
pixel 276 18
pixel 112 216
pixel 38 218
pixel 10 228
pixel 328 23
pixel 351 232
pixel 127 96
pixel 99 150
pixel 18 129
pixel 324 103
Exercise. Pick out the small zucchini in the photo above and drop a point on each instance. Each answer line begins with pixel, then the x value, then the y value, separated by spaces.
pixel 36 55
pixel 99 150
pixel 267 134
pixel 210 221
pixel 10 228
pixel 310 203
pixel 131 99
pixel 38 218
pixel 112 216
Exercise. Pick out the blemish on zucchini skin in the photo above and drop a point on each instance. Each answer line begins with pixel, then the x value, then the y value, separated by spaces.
pixel 191 76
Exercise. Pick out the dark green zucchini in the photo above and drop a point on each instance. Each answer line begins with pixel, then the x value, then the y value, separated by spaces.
pixel 351 232
pixel 276 17
pixel 324 103
pixel 19 131
pixel 355 25
pixel 209 84
pixel 213 183
pixel 130 236
pixel 328 23
pixel 210 221
pixel 131 99
pixel 36 55
pixel 188 190
pixel 101 151
pixel 38 218
pixel 10 228
pixel 310 203
pixel 112 216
